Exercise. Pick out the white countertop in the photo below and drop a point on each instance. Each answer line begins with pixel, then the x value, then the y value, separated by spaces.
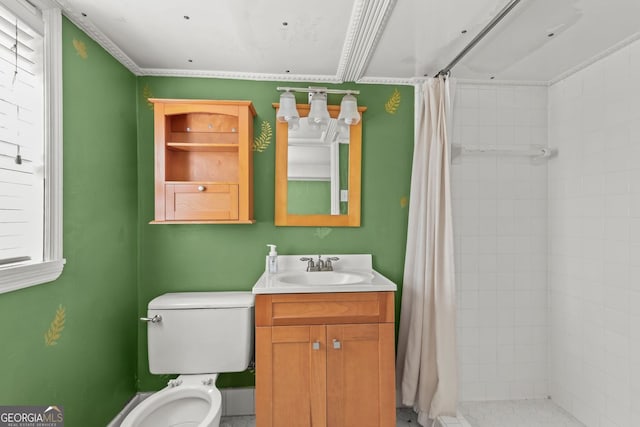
pixel 350 263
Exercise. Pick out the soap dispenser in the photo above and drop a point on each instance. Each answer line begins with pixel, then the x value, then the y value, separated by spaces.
pixel 272 259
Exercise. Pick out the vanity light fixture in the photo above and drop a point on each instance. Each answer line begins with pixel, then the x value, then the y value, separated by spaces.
pixel 318 114
pixel 349 111
pixel 287 112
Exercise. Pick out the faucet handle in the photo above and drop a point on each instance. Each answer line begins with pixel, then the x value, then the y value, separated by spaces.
pixel 327 265
pixel 310 265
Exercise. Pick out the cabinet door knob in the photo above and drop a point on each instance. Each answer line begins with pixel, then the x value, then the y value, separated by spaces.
pixel 201 188
pixel 316 345
pixel 336 344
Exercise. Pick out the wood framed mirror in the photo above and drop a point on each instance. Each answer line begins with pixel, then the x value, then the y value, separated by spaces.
pixel 318 172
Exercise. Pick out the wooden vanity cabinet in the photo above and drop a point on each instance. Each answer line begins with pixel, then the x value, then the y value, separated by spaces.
pixel 325 360
pixel 203 161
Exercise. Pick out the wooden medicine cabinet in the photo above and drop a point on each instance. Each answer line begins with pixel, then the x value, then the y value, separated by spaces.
pixel 203 161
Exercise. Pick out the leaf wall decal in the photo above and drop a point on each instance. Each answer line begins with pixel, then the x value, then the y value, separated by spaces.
pixel 81 48
pixel 262 141
pixel 322 232
pixel 52 335
pixel 393 103
pixel 146 94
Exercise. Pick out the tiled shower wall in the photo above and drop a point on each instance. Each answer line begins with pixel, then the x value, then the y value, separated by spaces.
pixel 594 244
pixel 500 211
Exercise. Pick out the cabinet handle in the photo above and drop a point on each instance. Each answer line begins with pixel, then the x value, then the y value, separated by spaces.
pixel 336 344
pixel 316 345
pixel 201 188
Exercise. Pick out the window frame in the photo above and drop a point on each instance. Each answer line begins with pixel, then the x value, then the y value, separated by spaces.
pixel 13 277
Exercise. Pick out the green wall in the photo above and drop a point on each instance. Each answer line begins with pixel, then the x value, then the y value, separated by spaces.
pixel 90 370
pixel 177 258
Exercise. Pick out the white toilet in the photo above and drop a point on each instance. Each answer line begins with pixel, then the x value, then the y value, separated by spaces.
pixel 196 335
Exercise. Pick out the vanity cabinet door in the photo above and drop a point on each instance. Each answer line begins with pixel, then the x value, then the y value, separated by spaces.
pixel 360 375
pixel 291 376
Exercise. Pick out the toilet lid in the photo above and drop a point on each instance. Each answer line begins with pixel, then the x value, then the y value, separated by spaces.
pixel 192 300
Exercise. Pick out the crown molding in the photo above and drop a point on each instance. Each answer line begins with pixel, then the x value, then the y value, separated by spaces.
pixel 99 37
pixel 237 75
pixel 368 19
pixel 613 49
pixel 388 81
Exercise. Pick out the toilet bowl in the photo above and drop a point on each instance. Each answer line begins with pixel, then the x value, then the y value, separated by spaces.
pixel 188 401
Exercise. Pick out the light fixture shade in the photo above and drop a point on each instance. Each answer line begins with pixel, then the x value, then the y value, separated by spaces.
pixel 343 131
pixel 349 114
pixel 318 114
pixel 287 110
pixel 294 123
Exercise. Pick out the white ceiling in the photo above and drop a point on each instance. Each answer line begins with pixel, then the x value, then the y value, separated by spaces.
pixel 355 40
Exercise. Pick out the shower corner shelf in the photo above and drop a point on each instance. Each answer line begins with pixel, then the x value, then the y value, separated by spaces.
pixel 535 152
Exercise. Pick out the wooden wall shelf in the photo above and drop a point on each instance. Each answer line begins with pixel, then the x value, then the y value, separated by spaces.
pixel 189 146
pixel 203 161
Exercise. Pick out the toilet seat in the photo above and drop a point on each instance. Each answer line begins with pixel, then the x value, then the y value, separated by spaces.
pixel 188 401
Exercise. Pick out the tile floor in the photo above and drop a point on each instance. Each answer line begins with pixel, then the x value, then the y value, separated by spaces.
pixel 517 413
pixel 406 418
pixel 507 413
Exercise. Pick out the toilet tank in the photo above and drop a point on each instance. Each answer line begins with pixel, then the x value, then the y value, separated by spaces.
pixel 200 332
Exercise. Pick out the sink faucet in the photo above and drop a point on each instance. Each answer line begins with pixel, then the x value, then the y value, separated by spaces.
pixel 320 264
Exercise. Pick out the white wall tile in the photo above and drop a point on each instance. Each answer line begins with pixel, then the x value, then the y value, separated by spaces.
pixel 593 322
pixel 502 232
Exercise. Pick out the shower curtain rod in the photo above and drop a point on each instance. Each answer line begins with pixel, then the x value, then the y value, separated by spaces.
pixel 505 10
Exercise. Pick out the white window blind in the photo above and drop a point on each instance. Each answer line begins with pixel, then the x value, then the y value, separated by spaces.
pixel 31 122
pixel 21 140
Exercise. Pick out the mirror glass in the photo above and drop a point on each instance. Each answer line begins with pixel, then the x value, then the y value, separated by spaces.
pixel 317 169
pixel 318 172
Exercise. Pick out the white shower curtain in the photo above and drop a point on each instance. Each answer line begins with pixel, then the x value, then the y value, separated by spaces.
pixel 427 357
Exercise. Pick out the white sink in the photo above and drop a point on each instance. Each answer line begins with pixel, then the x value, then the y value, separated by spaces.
pixel 352 273
pixel 328 278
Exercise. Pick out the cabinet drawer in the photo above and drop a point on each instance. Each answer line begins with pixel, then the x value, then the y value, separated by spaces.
pixel 324 309
pixel 201 202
